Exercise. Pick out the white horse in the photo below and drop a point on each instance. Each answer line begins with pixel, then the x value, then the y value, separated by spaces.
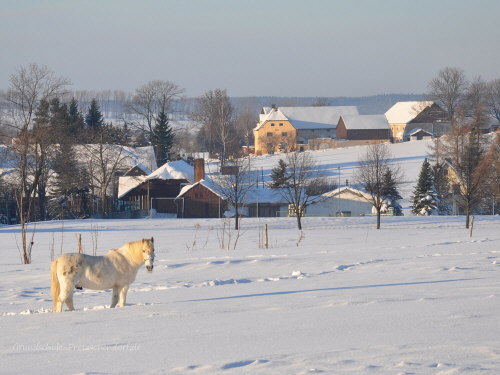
pixel 116 270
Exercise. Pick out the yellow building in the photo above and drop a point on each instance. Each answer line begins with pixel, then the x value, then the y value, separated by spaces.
pixel 290 128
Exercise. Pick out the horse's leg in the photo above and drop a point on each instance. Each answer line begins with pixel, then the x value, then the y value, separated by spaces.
pixel 123 296
pixel 59 305
pixel 114 299
pixel 66 296
pixel 69 302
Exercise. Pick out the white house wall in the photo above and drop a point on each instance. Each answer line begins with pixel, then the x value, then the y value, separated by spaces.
pixel 330 206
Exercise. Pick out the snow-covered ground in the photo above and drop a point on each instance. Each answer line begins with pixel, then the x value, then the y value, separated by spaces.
pixel 416 297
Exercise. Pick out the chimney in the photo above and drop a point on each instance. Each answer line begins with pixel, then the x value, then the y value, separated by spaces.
pixel 199 170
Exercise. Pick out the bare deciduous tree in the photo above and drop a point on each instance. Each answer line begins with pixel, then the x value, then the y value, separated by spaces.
pixel 372 168
pixel 215 113
pixel 235 186
pixel 471 166
pixel 245 123
pixel 103 161
pixel 493 98
pixel 448 90
pixel 304 183
pixel 30 86
pixel 152 98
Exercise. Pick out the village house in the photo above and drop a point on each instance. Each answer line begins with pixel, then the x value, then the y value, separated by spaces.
pixel 369 128
pixel 344 201
pixel 176 189
pixel 291 128
pixel 405 117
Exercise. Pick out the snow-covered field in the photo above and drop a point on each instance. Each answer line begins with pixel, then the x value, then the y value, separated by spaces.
pixel 416 297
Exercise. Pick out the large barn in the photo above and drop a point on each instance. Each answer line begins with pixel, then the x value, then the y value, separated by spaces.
pixel 362 127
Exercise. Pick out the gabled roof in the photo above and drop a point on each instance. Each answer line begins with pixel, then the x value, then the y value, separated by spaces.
pixel 208 183
pixel 417 130
pixel 174 170
pixel 264 195
pixel 138 167
pixel 344 189
pixel 404 112
pixel 304 118
pixel 127 183
pixel 365 122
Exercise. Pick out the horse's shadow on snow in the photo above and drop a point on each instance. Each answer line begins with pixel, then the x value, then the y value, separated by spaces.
pixel 328 289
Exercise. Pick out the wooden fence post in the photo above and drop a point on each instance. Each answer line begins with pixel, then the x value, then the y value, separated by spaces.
pixel 266 243
pixel 80 249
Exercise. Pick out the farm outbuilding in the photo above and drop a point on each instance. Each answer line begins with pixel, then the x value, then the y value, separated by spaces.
pixel 345 201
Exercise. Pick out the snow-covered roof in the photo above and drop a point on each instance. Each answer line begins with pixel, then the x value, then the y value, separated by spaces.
pixel 365 122
pixel 417 130
pixel 174 170
pixel 304 118
pixel 129 156
pixel 208 183
pixel 345 189
pixel 141 166
pixel 264 195
pixel 127 183
pixel 404 112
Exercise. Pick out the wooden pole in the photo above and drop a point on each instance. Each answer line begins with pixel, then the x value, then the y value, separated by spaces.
pixel 266 243
pixel 80 249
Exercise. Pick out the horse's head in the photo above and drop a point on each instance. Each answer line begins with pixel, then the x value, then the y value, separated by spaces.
pixel 148 252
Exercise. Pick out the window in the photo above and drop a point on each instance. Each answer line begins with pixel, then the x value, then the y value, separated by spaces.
pixel 284 134
pixel 272 123
pixel 281 124
pixel 270 134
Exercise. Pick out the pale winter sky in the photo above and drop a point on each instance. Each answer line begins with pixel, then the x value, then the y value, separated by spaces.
pixel 257 47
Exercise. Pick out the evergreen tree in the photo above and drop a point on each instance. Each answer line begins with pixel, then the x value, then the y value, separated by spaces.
pixel 442 186
pixel 278 175
pixel 162 138
pixel 76 120
pixel 42 114
pixel 94 118
pixel 391 194
pixel 424 201
pixel 59 120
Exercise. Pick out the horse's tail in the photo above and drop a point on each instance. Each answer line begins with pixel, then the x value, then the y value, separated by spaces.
pixel 55 287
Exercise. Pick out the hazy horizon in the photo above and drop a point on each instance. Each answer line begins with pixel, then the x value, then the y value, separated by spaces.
pixel 264 48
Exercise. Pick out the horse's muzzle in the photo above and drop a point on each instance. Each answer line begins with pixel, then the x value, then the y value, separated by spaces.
pixel 149 268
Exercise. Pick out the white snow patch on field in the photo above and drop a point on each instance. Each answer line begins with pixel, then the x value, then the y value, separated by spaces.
pixel 416 297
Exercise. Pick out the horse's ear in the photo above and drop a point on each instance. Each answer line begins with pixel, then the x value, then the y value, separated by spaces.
pixel 152 240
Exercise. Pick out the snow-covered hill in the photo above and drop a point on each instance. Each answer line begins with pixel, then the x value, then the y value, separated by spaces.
pixel 408 155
